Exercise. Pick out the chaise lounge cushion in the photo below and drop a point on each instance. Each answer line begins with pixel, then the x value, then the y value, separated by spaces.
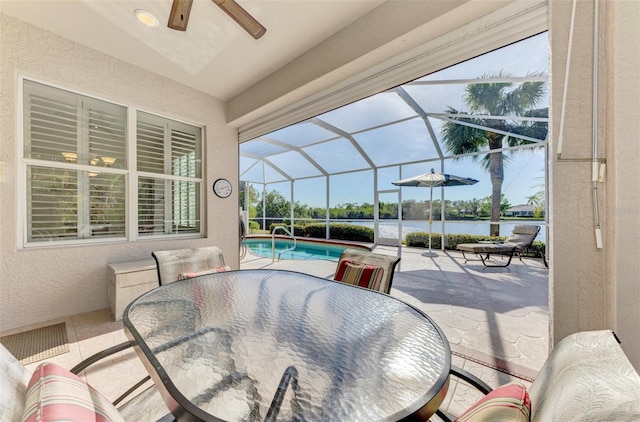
pixel 509 402
pixel 522 236
pixel 55 394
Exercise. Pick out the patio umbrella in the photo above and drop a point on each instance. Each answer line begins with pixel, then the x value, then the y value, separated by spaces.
pixel 432 180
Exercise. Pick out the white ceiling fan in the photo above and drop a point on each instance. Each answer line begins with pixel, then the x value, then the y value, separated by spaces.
pixel 179 16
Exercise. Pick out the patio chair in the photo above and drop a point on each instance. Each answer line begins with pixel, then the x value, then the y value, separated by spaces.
pixel 520 240
pixel 180 264
pixel 366 269
pixel 55 393
pixel 587 377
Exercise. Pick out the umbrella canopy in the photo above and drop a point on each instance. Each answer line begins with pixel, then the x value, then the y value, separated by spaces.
pixel 431 180
pixel 434 179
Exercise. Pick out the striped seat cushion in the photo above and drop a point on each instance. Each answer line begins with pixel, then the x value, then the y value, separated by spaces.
pixel 509 402
pixel 358 274
pixel 55 394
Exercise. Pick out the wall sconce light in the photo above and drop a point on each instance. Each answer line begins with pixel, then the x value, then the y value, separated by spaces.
pixel 70 156
pixel 108 161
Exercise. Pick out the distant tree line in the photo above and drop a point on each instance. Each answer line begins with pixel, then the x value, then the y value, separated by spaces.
pixel 278 207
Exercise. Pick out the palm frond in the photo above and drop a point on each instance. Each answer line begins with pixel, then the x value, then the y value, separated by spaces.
pixel 461 139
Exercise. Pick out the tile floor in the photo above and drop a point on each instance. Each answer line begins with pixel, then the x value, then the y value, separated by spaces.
pixel 497 317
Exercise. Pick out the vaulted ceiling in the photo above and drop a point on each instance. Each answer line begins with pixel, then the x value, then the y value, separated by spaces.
pixel 214 54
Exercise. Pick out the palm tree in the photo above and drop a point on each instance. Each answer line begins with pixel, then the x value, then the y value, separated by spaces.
pixel 495 99
pixel 533 199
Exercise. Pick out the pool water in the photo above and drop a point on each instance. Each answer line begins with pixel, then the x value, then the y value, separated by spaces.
pixel 303 250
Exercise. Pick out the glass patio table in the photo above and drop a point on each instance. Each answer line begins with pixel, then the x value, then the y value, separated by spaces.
pixel 256 345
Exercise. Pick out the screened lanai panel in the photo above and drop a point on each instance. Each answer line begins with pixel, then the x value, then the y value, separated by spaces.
pixel 402 142
pixel 437 96
pixel 294 164
pixel 373 111
pixel 445 102
pixel 302 134
pixel 337 156
pixel 345 188
pixel 259 172
pixel 260 148
pixel 245 164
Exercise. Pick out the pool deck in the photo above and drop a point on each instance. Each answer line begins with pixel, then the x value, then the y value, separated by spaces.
pixel 497 317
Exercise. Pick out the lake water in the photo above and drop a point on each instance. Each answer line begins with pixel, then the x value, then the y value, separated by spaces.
pixel 389 229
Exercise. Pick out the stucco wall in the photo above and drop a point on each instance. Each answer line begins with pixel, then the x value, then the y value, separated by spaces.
pixel 595 288
pixel 622 58
pixel 37 285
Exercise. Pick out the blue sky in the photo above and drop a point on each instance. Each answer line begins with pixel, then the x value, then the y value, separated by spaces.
pixel 524 173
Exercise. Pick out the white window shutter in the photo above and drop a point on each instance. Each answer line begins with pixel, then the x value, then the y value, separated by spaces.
pixel 169 197
pixel 64 201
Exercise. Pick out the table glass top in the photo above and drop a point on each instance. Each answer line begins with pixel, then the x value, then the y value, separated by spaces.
pixel 225 342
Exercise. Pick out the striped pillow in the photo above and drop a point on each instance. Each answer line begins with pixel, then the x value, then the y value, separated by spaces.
pixel 363 275
pixel 55 394
pixel 509 403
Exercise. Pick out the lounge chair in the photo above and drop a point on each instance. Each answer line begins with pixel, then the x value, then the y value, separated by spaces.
pixel 519 241
pixel 366 269
pixel 180 264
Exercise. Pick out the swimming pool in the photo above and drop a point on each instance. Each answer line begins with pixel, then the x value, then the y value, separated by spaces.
pixel 305 249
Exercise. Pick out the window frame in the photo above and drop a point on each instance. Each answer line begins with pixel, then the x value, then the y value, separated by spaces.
pixel 131 175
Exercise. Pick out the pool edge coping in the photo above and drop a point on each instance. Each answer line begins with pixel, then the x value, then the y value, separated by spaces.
pixel 347 243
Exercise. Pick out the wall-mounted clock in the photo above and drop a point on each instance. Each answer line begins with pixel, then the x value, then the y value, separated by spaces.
pixel 222 188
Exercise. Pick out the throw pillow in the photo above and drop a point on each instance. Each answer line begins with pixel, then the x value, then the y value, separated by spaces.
pixel 358 274
pixel 508 403
pixel 184 276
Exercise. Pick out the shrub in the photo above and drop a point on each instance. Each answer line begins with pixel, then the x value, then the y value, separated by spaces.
pixel 351 232
pixel 336 231
pixel 254 227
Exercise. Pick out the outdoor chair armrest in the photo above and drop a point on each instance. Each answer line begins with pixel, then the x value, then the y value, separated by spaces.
pixel 100 355
pixel 471 379
pixel 96 357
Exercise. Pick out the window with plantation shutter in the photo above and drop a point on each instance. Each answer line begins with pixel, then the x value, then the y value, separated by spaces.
pixel 169 164
pixel 75 148
pixel 78 176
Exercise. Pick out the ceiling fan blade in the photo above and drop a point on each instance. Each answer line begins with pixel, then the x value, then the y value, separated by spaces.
pixel 179 16
pixel 242 17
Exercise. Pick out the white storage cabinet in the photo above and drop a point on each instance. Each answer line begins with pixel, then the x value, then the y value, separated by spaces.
pixel 127 281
